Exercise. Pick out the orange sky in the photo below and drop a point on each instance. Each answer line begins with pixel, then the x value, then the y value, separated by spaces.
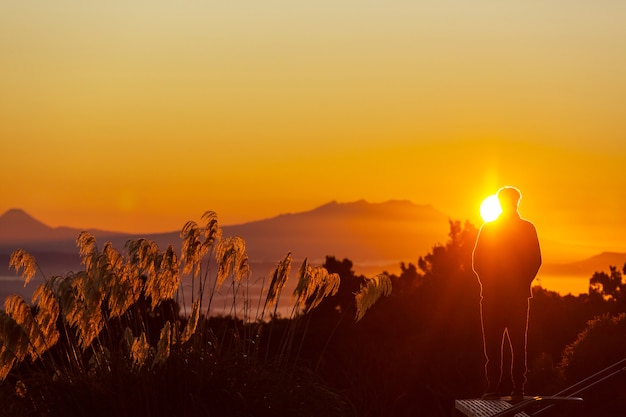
pixel 140 116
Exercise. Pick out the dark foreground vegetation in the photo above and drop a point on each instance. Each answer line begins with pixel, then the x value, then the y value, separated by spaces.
pixel 120 339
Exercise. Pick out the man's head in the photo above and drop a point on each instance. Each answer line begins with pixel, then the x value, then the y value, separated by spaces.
pixel 509 198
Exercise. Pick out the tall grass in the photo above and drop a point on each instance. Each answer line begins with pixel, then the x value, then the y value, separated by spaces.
pixel 119 321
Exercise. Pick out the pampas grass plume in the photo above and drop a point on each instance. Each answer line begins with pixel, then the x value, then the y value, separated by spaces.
pixel 20 259
pixel 373 288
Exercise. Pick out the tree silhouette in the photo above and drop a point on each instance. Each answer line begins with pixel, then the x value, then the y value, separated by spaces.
pixel 415 350
pixel 609 286
pixel 599 345
pixel 342 303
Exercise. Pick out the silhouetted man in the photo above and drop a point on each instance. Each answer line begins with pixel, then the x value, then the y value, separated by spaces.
pixel 506 259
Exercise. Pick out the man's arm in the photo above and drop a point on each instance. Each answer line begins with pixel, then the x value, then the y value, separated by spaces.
pixel 533 251
pixel 478 257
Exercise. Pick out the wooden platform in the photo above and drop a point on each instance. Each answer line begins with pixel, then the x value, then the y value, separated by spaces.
pixel 505 407
pixel 484 408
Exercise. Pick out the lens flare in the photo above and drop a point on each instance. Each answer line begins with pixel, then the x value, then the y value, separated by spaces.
pixel 490 208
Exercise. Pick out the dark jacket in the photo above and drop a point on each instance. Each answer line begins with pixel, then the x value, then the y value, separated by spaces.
pixel 507 257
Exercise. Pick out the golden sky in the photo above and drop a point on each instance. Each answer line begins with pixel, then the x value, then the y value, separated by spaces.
pixel 139 116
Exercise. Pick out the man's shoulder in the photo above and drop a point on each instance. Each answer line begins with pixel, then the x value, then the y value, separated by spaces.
pixel 507 224
pixel 527 223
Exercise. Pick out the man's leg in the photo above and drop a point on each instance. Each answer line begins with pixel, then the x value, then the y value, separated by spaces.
pixel 518 326
pixel 493 331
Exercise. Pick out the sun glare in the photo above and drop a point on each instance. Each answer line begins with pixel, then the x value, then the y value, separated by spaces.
pixel 490 208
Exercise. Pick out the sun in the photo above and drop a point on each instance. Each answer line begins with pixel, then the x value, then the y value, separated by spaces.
pixel 490 208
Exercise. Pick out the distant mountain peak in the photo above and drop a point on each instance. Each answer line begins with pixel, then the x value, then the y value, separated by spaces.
pixel 19 216
pixel 15 212
pixel 391 209
pixel 17 226
pixel 365 203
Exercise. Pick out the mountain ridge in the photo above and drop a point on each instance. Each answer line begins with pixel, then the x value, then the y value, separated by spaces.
pixel 374 236
pixel 19 215
pixel 358 230
pixel 17 226
pixel 596 263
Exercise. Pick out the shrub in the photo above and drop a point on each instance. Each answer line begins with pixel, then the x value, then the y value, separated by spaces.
pixel 602 343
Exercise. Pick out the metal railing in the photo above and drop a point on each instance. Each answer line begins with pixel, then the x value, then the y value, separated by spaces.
pixel 589 382
pixel 568 395
pixel 594 379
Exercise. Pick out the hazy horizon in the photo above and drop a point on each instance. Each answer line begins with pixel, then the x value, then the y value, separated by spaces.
pixel 556 274
pixel 558 250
